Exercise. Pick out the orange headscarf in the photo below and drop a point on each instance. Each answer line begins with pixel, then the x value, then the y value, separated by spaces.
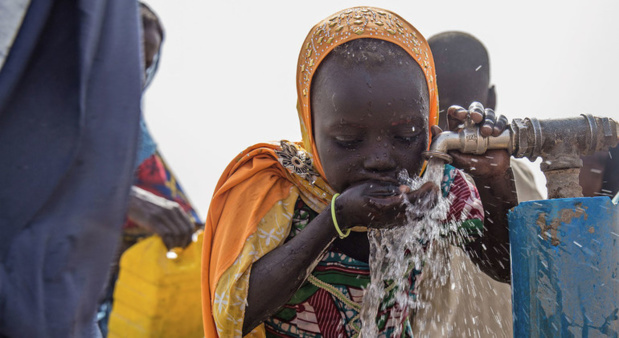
pixel 351 24
pixel 255 181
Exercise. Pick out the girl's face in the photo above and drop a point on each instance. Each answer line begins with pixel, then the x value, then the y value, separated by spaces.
pixel 369 124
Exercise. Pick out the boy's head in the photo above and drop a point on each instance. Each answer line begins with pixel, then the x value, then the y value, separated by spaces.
pixel 462 71
pixel 370 106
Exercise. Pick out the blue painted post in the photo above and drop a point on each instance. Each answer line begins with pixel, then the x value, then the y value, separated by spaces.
pixel 565 267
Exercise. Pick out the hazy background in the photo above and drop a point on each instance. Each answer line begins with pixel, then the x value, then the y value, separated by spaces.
pixel 227 74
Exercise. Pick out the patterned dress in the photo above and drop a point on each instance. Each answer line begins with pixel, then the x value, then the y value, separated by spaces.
pixel 328 304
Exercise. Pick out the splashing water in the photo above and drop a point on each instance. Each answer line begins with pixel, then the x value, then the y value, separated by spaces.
pixel 396 252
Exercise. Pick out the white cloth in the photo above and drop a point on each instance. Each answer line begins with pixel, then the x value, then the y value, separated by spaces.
pixel 12 14
pixel 471 304
pixel 525 182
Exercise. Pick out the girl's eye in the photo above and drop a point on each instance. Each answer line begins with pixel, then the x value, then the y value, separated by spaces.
pixel 348 141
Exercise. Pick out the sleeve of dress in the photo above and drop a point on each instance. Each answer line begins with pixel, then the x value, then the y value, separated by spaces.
pixel 230 297
pixel 466 212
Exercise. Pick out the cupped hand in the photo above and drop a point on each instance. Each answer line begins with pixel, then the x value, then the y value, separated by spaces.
pixel 163 217
pixel 378 204
pixel 493 163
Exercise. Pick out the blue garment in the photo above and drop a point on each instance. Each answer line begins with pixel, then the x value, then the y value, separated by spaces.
pixel 146 145
pixel 70 94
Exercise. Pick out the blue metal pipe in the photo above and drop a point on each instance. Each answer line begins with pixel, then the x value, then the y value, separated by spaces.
pixel 565 267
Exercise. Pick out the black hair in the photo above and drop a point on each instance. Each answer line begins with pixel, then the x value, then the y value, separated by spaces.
pixel 366 52
pixel 369 52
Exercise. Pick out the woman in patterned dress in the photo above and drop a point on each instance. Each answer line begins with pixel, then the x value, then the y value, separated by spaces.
pixel 279 256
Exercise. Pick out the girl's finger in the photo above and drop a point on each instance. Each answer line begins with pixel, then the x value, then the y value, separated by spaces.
pixel 428 191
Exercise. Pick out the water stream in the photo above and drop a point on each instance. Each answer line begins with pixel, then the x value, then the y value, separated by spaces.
pixel 395 253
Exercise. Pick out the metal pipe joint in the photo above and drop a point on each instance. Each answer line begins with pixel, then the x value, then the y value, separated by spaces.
pixel 559 142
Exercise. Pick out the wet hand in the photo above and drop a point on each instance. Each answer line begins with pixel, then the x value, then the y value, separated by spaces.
pixel 383 204
pixel 161 216
pixel 493 163
pixel 488 122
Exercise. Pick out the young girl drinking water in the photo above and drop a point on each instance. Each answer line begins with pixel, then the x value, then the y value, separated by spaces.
pixel 285 249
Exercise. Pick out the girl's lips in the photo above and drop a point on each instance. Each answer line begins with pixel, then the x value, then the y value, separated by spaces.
pixel 382 188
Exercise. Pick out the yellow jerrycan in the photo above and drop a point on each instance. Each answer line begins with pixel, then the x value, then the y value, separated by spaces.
pixel 157 293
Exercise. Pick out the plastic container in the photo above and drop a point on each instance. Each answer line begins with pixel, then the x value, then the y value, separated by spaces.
pixel 565 267
pixel 156 296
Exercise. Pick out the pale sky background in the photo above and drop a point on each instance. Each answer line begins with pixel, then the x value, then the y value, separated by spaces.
pixel 227 74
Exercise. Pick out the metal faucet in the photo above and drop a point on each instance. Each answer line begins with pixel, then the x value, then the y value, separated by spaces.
pixel 559 142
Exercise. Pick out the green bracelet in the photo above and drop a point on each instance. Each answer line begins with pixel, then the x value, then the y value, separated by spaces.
pixel 337 227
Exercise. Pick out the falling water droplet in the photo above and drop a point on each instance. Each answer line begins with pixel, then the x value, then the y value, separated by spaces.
pixel 425 238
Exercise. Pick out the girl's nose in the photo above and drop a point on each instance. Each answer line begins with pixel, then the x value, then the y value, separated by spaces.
pixel 379 161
